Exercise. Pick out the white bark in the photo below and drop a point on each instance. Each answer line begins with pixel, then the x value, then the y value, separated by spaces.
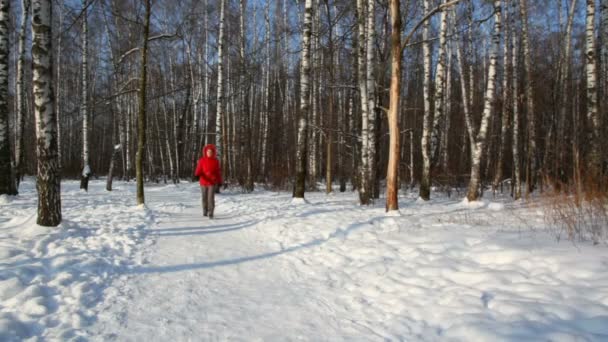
pixel 473 191
pixel 86 169
pixel 604 50
pixel 266 94
pixel 371 91
pixel 20 90
pixel 504 111
pixel 425 184
pixel 206 67
pixel 300 183
pixel 47 180
pixel 531 167
pixel 364 181
pixel 591 73
pixel 516 95
pixel 220 82
pixel 563 88
pixel 438 117
pixel 59 85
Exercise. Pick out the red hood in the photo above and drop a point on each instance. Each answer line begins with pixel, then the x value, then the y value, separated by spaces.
pixel 209 147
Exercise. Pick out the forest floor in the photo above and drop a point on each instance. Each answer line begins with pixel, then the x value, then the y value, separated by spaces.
pixel 269 268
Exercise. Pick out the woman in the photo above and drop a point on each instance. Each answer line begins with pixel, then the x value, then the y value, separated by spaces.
pixel 209 173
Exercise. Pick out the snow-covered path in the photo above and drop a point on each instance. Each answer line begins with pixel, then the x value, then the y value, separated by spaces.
pixel 270 269
pixel 212 279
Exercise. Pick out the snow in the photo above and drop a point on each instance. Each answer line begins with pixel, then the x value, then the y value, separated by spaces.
pixel 269 268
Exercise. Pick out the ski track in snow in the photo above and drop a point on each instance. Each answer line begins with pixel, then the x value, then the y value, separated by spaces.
pixel 270 269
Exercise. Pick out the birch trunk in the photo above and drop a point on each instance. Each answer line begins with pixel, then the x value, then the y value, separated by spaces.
pixel 20 93
pixel 443 144
pixel 7 179
pixel 593 118
pixel 425 182
pixel 314 97
pixel 392 176
pixel 564 80
pixel 246 115
pixel 364 177
pixel 439 114
pixel 220 83
pixel 266 95
pixel 371 98
pixel 505 108
pixel 84 113
pixel 300 183
pixel 531 157
pixel 48 178
pixel 473 192
pixel 141 118
pixel 516 96
pixel 604 54
pixel 207 80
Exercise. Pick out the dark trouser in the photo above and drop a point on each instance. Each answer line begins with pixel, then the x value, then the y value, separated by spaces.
pixel 208 193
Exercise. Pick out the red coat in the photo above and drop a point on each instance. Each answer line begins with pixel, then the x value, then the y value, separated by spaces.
pixel 208 168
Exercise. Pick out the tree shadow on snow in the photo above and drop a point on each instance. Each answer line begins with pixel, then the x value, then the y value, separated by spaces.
pixel 202 230
pixel 338 233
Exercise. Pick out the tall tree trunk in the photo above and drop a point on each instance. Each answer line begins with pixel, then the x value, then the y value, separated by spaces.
pixel 439 114
pixel 564 80
pixel 392 176
pixel 473 192
pixel 516 97
pixel 86 169
pixel 505 107
pixel 364 177
pixel 531 156
pixel 373 122
pixel 141 118
pixel 594 155
pixel 331 108
pixel 220 84
pixel 425 183
pixel 59 92
pixel 48 179
pixel 7 179
pixel 20 93
pixel 300 183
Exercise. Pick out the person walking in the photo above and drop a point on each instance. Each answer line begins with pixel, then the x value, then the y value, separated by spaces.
pixel 210 175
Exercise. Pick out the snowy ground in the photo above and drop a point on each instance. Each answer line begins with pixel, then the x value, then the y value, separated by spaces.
pixel 270 269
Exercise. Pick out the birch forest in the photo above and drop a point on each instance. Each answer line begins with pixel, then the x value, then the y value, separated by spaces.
pixel 380 97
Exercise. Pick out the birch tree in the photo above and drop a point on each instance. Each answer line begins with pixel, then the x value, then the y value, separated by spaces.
pixel 604 51
pixel 425 182
pixel 364 177
pixel 439 109
pixel 300 183
pixel 594 155
pixel 84 113
pixel 562 99
pixel 516 96
pixel 20 105
pixel 473 192
pixel 371 95
pixel 48 179
pixel 505 104
pixel 7 181
pixel 141 117
pixel 531 156
pixel 220 84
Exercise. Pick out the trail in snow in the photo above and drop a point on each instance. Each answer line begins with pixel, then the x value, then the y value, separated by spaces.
pixel 270 269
